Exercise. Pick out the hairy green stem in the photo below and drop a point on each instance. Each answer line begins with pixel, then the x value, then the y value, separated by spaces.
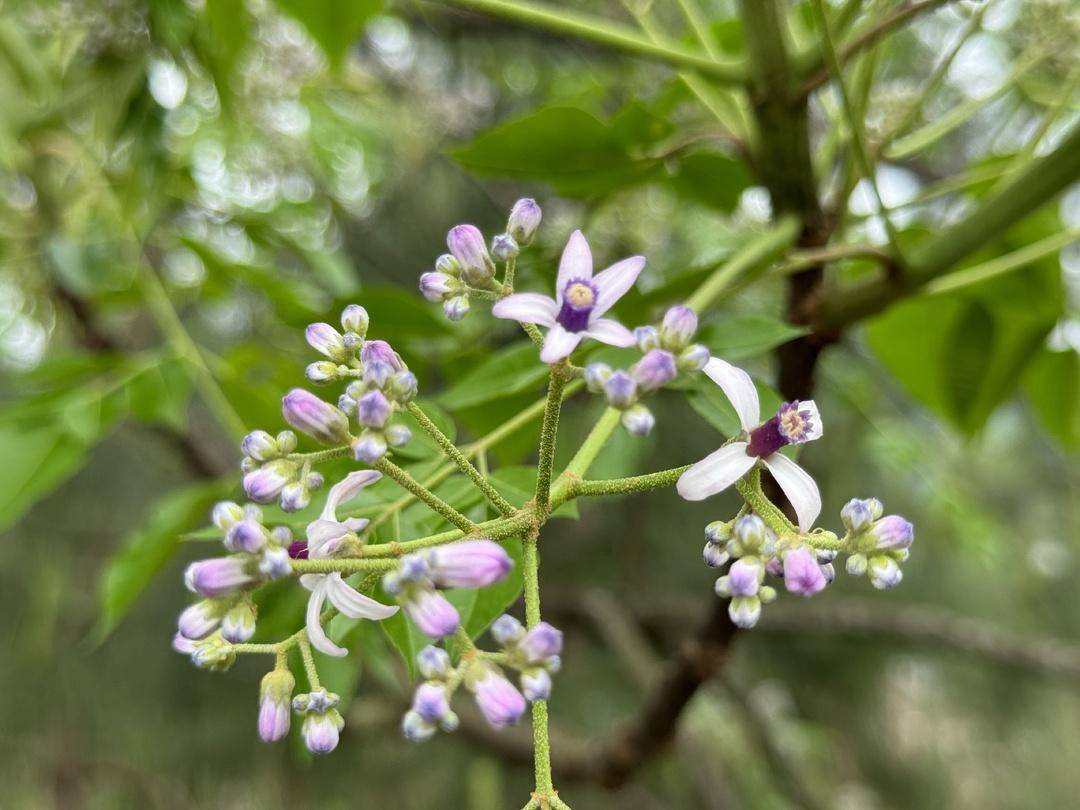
pixel 309 661
pixel 625 486
pixel 458 458
pixel 344 565
pixel 530 565
pixel 437 504
pixel 749 487
pixel 548 431
pixel 319 456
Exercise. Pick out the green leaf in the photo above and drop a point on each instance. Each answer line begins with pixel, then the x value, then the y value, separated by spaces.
pixel 334 25
pixel 1052 385
pixel 747 336
pixel 160 395
pixel 711 178
pixel 225 33
pixel 518 484
pixel 506 372
pixel 146 550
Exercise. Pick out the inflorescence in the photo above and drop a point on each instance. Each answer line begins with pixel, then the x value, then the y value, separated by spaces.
pixel 340 563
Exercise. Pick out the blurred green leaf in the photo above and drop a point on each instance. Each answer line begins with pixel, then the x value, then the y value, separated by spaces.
pixel 335 26
pixel 161 394
pixel 747 336
pixel 422 446
pixel 711 178
pixel 507 371
pixel 1052 385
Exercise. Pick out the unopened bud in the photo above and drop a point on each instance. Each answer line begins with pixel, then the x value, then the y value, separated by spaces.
pixel 504 247
pixel 638 420
pixel 322 372
pixel 467 245
pixel 456 308
pixel 524 219
pixel 326 340
pixel 320 420
pixel 354 318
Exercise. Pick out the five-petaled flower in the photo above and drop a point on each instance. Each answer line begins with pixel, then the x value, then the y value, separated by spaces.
pixel 580 301
pixel 794 423
pixel 324 537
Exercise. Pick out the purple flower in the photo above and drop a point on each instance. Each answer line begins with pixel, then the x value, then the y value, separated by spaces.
pixel 225 514
pixel 469 564
pixel 579 304
pixel 678 327
pixel 795 423
pixel 247 536
pixel 744 577
pixel 693 358
pixel 431 612
pixel 647 338
pixel 373 409
pixel 380 362
pixel 320 420
pixel 218 577
pixel 436 287
pixel 802 574
pixel 500 702
pixel 199 620
pixel 655 369
pixel 354 318
pixel 274 563
pixel 504 247
pixel 238 625
pixel 536 684
pixel 620 390
pixel 892 533
pixel 466 243
pixel 541 642
pixel 264 484
pixel 327 341
pixel 430 702
pixel 524 220
pixel 275 695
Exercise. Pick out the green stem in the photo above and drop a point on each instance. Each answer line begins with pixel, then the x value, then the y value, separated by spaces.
pixel 458 458
pixel 749 488
pixel 437 504
pixel 601 32
pixel 319 456
pixel 548 431
pixel 587 453
pixel 345 565
pixel 309 661
pixel 498 529
pixel 530 564
pixel 508 275
pixel 624 486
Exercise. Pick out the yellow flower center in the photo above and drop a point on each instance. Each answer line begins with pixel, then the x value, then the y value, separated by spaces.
pixel 579 295
pixel 792 424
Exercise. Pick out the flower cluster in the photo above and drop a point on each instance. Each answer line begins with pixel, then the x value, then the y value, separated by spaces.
pixel 879 544
pixel 666 352
pixel 534 654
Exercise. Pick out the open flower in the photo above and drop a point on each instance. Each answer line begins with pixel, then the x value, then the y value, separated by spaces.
pixel 324 537
pixel 794 423
pixel 579 304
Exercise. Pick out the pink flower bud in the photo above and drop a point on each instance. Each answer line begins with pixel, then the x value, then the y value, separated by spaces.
pixel 802 574
pixel 467 245
pixel 469 564
pixel 221 576
pixel 320 420
pixel 524 219
pixel 432 613
pixel 373 410
pixel 263 485
pixel 678 327
pixel 892 533
pixel 541 642
pixel 499 700
pixel 655 369
pixel 326 340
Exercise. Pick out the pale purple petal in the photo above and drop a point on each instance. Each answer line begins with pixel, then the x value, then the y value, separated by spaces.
pixel 576 262
pixel 816 428
pixel 799 488
pixel 323 537
pixel 353 603
pixel 346 489
pixel 610 332
pixel 716 472
pixel 802 574
pixel 558 344
pixel 612 284
pixel 527 308
pixel 738 388
pixel 316 635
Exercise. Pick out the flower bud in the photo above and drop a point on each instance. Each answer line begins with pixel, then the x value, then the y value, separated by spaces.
pixel 322 372
pixel 433 662
pixel 380 363
pixel 213 653
pixel 500 702
pixel 286 441
pixel 327 341
pixel 260 445
pixel 466 243
pixel 275 696
pixel 415 728
pixel 246 537
pixel 183 645
pixel 437 287
pixel 264 484
pixel 429 701
pixel 767 594
pixel 368 447
pixel 719 531
pixel 744 577
pixel 745 611
pixel 397 435
pixel 274 563
pixel 596 375
pixel 238 625
pixel 859 513
pixel 432 613
pixel 693 358
pixel 638 420
pixel 200 620
pixel 507 630
pixel 536 684
pixel 802 574
pixel 218 577
pixel 354 318
pixel 751 534
pixel 654 370
pixel 678 327
pixel 402 386
pixel 448 266
pixel 225 514
pixel 373 409
pixel 469 564
pixel 322 731
pixel 524 219
pixel 541 642
pixel 856 565
pixel 714 555
pixel 892 533
pixel 320 420
pixel 504 247
pixel 885 572
pixel 620 390
pixel 647 338
pixel 456 308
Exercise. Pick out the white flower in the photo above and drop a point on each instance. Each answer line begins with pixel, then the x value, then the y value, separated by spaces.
pixel 580 301
pixel 324 537
pixel 794 423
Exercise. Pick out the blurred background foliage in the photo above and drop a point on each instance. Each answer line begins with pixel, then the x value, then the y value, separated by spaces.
pixel 185 184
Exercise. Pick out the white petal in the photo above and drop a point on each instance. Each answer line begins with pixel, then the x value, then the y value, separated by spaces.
pixel 816 428
pixel 311 581
pixel 716 472
pixel 323 537
pixel 610 332
pixel 738 388
pixel 612 284
pixel 558 344
pixel 576 262
pixel 316 635
pixel 799 488
pixel 353 603
pixel 527 308
pixel 347 489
